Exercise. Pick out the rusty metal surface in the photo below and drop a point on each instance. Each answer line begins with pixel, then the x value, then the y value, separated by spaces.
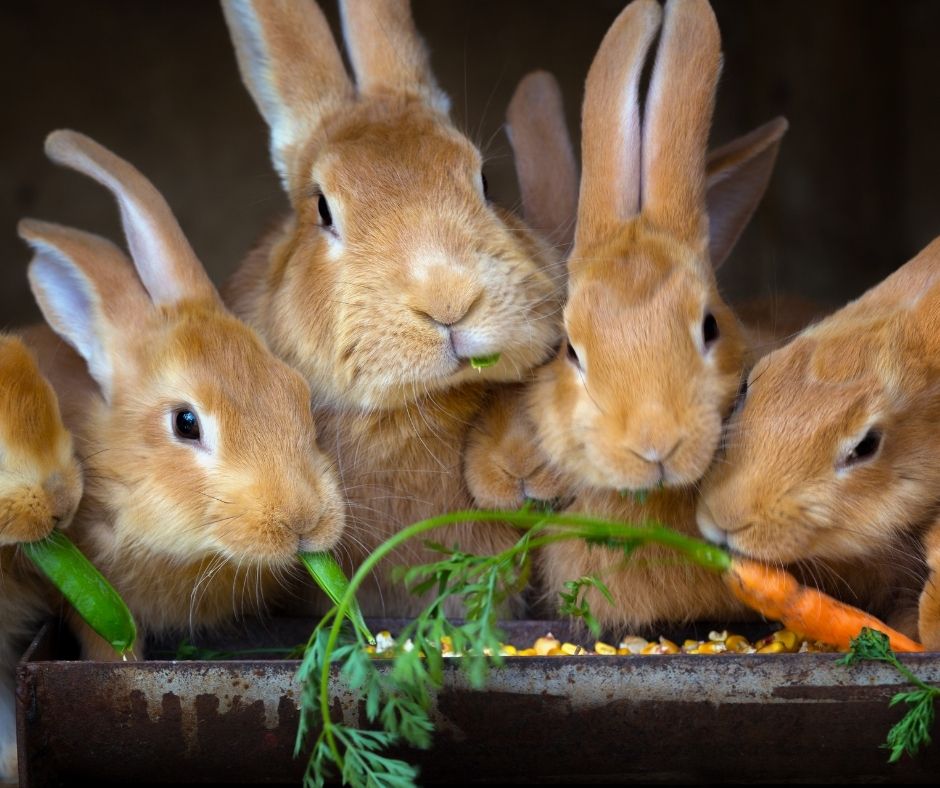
pixel 601 719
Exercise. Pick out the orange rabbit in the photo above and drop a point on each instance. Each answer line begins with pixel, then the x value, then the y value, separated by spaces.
pixel 393 271
pixel 40 487
pixel 636 397
pixel 202 474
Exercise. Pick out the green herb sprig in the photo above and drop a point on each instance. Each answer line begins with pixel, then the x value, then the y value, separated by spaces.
pixel 912 732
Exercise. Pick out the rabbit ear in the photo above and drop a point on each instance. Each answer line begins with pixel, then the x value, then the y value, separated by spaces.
pixel 292 67
pixel 678 116
pixel 737 177
pixel 387 54
pixel 610 122
pixel 87 292
pixel 544 158
pixel 167 265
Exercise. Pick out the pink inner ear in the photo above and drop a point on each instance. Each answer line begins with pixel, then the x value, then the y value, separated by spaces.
pixel 70 306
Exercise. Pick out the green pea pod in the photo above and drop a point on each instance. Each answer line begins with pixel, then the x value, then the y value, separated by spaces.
pixel 331 578
pixel 85 588
pixel 482 362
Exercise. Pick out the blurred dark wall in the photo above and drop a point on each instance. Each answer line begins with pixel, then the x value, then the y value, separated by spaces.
pixel 853 197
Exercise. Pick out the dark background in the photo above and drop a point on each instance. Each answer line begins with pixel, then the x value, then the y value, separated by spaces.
pixel 854 195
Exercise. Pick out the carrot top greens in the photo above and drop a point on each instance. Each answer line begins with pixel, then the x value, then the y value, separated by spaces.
pixel 398 694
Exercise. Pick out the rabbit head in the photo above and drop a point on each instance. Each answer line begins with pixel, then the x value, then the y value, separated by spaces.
pixel 40 478
pixel 653 357
pixel 395 269
pixel 831 452
pixel 201 442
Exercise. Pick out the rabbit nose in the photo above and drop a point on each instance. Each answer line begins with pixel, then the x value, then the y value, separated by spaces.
pixel 712 532
pixel 655 454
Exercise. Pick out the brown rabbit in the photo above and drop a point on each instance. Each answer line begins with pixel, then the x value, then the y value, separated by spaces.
pixel 831 458
pixel 202 472
pixel 40 487
pixel 636 397
pixel 393 271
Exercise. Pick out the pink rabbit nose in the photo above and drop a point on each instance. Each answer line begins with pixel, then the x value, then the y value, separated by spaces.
pixel 656 455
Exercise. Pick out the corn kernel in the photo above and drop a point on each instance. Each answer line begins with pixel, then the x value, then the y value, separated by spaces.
pixel 772 648
pixel 790 640
pixel 527 652
pixel 667 646
pixel 690 645
pixel 633 644
pixel 447 645
pixel 718 637
pixel 508 651
pixel 712 647
pixel 624 652
pixel 543 645
pixel 554 652
pixel 384 641
pixel 570 649
pixel 370 649
pixel 737 644
pixel 604 648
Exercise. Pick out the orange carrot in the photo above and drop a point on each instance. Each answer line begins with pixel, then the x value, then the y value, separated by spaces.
pixel 780 596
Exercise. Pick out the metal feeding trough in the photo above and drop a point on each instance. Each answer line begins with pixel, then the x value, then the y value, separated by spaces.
pixel 596 719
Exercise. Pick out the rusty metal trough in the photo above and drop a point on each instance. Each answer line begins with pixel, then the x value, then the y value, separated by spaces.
pixel 657 719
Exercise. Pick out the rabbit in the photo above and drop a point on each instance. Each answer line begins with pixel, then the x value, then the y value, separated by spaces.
pixel 830 460
pixel 203 476
pixel 393 270
pixel 635 398
pixel 40 487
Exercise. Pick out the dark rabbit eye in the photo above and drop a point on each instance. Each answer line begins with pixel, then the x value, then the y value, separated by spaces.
pixel 742 395
pixel 709 330
pixel 866 448
pixel 324 208
pixel 186 425
pixel 486 185
pixel 573 356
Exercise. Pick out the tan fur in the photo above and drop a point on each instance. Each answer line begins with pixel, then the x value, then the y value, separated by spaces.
pixel 418 273
pixel 643 403
pixel 782 491
pixel 40 487
pixel 192 533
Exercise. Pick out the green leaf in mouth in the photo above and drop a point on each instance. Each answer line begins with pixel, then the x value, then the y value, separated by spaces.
pixel 482 362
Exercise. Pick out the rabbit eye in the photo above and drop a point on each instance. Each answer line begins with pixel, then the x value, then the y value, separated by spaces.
pixel 186 425
pixel 742 395
pixel 573 356
pixel 324 208
pixel 486 185
pixel 866 448
pixel 709 330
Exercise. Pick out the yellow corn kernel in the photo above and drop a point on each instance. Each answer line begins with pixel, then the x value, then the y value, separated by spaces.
pixel 527 652
pixel 604 648
pixel 447 645
pixel 554 652
pixel 712 647
pixel 737 644
pixel 772 648
pixel 543 645
pixel 718 637
pixel 667 646
pixel 625 652
pixel 790 640
pixel 690 645
pixel 508 651
pixel 370 649
pixel 651 648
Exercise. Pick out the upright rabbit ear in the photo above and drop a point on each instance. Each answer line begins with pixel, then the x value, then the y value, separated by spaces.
pixel 738 174
pixel 545 165
pixel 610 122
pixel 167 265
pixel 292 67
pixel 679 108
pixel 87 292
pixel 387 54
